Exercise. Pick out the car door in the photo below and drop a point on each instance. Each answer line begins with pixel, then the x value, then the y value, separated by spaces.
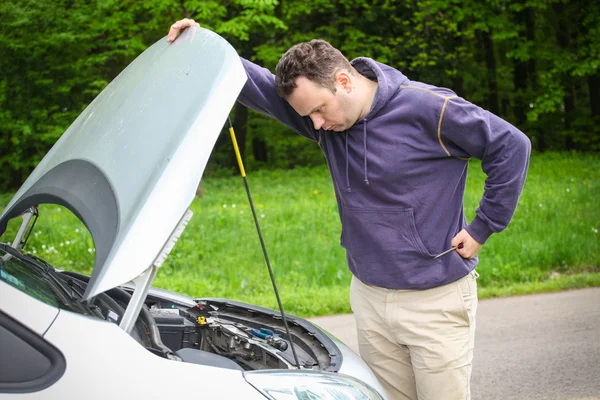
pixel 29 363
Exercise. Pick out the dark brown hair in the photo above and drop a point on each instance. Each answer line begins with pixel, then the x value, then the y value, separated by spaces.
pixel 317 60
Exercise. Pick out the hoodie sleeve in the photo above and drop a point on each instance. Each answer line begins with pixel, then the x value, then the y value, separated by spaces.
pixel 466 130
pixel 259 94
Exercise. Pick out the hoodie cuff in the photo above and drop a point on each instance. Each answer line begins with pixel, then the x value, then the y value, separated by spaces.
pixel 479 230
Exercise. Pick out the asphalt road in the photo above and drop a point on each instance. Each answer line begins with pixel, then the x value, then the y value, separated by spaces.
pixel 535 347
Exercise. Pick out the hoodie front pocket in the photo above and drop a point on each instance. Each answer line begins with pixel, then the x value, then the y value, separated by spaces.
pixel 383 237
pixel 384 249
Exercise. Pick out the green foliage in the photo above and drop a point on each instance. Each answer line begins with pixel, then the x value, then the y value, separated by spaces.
pixel 56 56
pixel 536 63
pixel 552 242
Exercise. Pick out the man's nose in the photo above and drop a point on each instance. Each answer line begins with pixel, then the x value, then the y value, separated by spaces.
pixel 317 121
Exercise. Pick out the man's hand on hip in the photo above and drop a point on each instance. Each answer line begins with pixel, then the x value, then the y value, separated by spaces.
pixel 470 246
pixel 179 26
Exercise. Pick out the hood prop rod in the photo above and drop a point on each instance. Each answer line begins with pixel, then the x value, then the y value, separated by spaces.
pixel 29 214
pixel 262 242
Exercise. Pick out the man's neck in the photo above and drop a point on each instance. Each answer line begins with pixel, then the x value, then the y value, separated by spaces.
pixel 367 88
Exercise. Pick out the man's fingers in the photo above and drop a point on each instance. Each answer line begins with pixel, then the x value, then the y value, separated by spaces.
pixel 464 252
pixel 470 249
pixel 470 246
pixel 179 26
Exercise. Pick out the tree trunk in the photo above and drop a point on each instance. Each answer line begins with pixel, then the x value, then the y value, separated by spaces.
pixel 458 86
pixel 490 62
pixel 504 110
pixel 594 89
pixel 259 149
pixel 520 77
pixel 529 22
pixel 562 38
pixel 569 100
pixel 531 66
pixel 520 82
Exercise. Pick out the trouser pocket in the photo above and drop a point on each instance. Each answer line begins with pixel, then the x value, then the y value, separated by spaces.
pixel 467 290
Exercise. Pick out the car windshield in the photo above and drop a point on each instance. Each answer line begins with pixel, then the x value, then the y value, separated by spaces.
pixel 32 279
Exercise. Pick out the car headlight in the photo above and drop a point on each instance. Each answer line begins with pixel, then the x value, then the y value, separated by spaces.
pixel 309 385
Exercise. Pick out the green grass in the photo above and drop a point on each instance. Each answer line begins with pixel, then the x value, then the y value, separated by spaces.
pixel 552 243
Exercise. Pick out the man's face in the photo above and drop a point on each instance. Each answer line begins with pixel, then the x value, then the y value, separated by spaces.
pixel 328 110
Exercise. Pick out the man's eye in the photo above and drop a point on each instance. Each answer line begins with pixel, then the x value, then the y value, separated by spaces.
pixel 318 109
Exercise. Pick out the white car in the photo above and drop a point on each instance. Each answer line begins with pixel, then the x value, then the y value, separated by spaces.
pixel 128 168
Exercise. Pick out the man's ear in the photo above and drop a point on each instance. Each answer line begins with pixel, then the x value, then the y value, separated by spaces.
pixel 345 80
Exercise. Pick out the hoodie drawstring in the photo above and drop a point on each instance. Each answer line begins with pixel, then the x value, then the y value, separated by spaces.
pixel 365 146
pixel 366 163
pixel 348 189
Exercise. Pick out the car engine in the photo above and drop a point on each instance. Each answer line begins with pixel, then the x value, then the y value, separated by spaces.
pixel 253 337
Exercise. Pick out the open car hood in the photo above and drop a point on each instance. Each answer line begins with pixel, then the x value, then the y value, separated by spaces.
pixel 130 164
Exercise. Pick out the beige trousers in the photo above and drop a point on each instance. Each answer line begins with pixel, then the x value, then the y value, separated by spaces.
pixel 419 343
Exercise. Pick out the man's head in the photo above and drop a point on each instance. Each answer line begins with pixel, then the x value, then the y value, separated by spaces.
pixel 318 81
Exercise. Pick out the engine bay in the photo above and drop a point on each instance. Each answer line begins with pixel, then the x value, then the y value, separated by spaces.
pixel 253 337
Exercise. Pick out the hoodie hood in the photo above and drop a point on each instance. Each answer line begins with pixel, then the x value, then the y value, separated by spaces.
pixel 130 164
pixel 388 84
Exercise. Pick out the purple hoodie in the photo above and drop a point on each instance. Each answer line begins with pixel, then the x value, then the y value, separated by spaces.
pixel 399 174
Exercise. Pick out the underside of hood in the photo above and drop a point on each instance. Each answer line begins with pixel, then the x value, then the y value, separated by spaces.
pixel 129 165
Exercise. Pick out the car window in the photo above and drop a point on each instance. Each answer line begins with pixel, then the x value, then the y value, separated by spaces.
pixel 31 280
pixel 28 363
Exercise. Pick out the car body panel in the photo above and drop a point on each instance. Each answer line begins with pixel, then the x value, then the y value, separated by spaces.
pixel 30 312
pixel 130 164
pixel 104 362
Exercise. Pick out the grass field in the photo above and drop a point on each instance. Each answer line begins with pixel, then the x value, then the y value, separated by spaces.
pixel 552 243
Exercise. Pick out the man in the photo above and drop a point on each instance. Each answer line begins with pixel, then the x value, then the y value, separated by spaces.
pixel 398 153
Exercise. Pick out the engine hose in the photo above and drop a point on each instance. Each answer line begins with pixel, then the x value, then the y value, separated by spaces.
pixel 212 346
